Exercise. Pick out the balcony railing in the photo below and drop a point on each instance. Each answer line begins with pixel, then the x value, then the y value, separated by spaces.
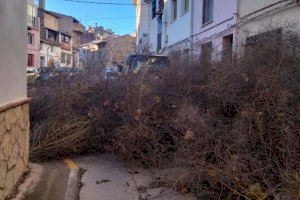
pixel 33 22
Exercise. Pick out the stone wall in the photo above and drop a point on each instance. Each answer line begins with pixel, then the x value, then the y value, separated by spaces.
pixel 14 146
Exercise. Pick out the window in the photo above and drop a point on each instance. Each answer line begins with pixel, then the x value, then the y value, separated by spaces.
pixel 65 39
pixel 206 51
pixel 30 60
pixel 185 5
pixel 174 9
pixel 42 61
pixel 161 5
pixel 52 49
pixel 208 6
pixel 63 58
pixel 30 38
pixel 227 47
pixel 153 9
pixel 52 35
pixel 159 33
pixel 102 45
pixel 261 38
pixel 159 39
pixel 68 59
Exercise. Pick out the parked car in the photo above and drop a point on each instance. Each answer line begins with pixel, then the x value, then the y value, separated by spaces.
pixel 32 74
pixel 111 73
pixel 64 70
pixel 45 73
pixel 151 63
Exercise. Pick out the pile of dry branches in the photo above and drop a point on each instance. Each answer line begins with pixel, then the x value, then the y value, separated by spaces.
pixel 234 125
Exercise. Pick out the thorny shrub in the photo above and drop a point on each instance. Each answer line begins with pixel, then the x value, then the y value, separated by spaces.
pixel 232 125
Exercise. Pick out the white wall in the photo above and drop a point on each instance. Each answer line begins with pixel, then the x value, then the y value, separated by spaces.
pixel 180 29
pixel 222 25
pixel 46 52
pixel 172 31
pixel 281 15
pixel 142 23
pixel 13 56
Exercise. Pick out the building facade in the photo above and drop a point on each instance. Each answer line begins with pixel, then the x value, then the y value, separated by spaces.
pixel 60 39
pixel 33 27
pixel 96 33
pixel 70 26
pixel 108 52
pixel 183 25
pixel 258 17
pixel 14 108
pixel 214 28
pixel 214 24
pixel 50 51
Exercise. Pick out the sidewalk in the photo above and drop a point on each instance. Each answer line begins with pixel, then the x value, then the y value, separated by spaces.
pixel 46 181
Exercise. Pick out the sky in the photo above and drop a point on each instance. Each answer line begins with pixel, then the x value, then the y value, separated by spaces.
pixel 89 14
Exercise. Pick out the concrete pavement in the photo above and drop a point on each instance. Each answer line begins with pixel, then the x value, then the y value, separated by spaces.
pixel 108 178
pixel 46 181
pixel 105 178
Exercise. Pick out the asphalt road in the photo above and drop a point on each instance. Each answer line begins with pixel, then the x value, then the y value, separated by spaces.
pixel 105 178
pixel 108 178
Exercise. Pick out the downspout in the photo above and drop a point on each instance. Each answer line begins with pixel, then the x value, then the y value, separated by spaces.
pixel 235 26
pixel 192 27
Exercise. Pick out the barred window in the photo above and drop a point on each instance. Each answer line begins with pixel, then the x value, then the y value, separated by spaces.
pixel 208 11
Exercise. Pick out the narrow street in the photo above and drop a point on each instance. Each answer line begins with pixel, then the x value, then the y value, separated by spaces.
pixel 149 99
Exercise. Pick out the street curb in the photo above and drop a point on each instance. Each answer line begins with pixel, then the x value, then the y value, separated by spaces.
pixel 72 191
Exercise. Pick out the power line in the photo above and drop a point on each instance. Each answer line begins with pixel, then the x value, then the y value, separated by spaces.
pixel 104 18
pixel 104 3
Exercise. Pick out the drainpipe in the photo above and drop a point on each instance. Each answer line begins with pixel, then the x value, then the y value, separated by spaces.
pixel 236 20
pixel 192 26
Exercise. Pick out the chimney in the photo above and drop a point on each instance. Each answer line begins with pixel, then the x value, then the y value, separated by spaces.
pixel 42 4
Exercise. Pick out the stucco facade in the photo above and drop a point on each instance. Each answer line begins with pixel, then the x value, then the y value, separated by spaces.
pixel 181 26
pixel 49 53
pixel 33 43
pixel 257 16
pixel 60 39
pixel 72 27
pixel 108 52
pixel 14 110
pixel 220 31
pixel 175 33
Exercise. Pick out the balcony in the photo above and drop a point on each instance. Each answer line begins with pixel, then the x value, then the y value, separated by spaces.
pixel 33 22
